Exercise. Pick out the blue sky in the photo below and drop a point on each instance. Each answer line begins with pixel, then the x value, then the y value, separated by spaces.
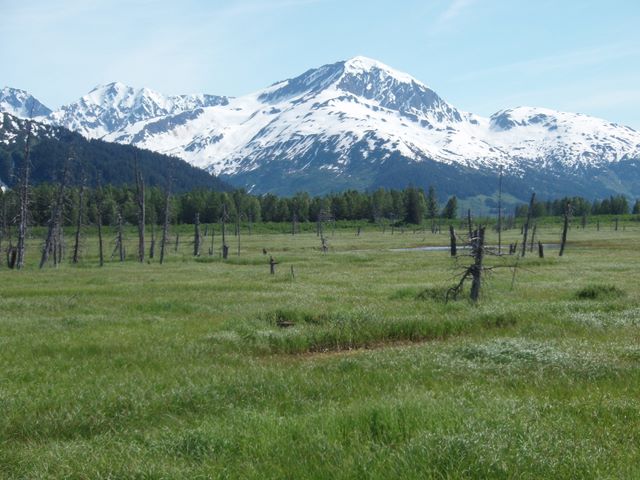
pixel 480 55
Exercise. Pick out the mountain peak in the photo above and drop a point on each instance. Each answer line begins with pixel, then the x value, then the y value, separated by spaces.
pixel 21 103
pixel 361 64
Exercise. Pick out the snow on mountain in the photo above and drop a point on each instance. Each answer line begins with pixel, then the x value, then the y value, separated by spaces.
pixel 365 109
pixel 21 104
pixel 356 122
pixel 109 108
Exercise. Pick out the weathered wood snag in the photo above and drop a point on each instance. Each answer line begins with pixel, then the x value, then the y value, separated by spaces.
pixel 224 218
pixel 540 250
pixel 452 236
pixel 196 236
pixel 99 207
pixel 141 211
pixel 500 213
pixel 565 227
pixel 525 227
pixel 119 239
pixel 55 220
pixel 24 201
pixel 478 255
pixel 475 270
pixel 152 246
pixel 165 223
pixel 76 244
pixel 533 236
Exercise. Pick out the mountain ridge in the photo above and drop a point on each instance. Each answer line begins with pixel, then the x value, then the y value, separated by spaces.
pixel 346 123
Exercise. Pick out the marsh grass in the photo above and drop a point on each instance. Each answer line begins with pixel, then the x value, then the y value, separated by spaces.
pixel 185 371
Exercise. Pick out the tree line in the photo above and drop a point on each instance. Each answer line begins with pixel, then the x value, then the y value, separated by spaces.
pixel 614 205
pixel 410 205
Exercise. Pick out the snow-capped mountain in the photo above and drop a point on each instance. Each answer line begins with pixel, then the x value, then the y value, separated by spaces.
pixel 361 124
pixel 21 104
pixel 115 106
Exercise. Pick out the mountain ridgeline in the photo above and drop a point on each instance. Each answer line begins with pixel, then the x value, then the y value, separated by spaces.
pixel 93 160
pixel 359 124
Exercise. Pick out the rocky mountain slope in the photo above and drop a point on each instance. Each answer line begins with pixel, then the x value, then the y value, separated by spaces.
pixel 361 124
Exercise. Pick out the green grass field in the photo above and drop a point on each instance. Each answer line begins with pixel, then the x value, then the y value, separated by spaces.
pixel 184 370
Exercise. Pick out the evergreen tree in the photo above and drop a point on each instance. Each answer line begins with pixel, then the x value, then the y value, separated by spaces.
pixel 415 206
pixel 450 210
pixel 432 203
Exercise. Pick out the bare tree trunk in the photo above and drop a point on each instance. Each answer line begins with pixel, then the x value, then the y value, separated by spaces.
pixel 196 236
pixel 141 211
pixel 24 202
pixel 61 246
pixel 525 227
pixel 469 224
pixel 120 240
pixel 540 250
pixel 225 247
pixel 165 223
pixel 76 244
pixel 500 213
pixel 478 255
pixel 3 218
pixel 533 236
pixel 565 227
pixel 152 247
pixel 56 218
pixel 452 235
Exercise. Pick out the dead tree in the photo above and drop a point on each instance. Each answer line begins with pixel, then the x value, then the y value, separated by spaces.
pixel 24 201
pixel 152 246
pixel 478 255
pixel 500 213
pixel 213 236
pixel 565 227
pixel 196 236
pixel 475 270
pixel 525 227
pixel 3 217
pixel 540 250
pixel 141 211
pixel 452 236
pixel 165 223
pixel 224 218
pixel 56 218
pixel 119 240
pixel 80 214
pixel 533 236
pixel 99 207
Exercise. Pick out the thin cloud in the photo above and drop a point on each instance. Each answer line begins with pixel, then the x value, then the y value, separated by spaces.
pixel 562 61
pixel 454 10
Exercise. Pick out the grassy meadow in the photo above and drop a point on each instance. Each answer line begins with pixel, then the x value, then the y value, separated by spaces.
pixel 351 367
